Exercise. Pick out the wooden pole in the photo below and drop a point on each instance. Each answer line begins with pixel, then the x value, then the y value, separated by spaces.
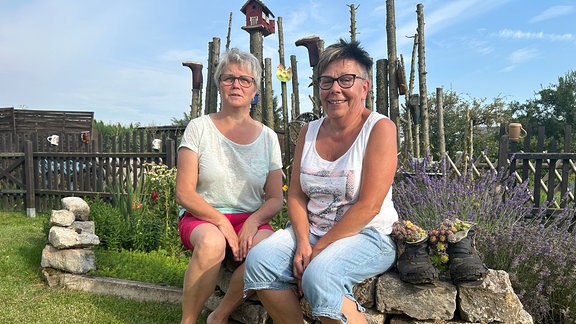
pixel 392 63
pixel 353 21
pixel 170 152
pixel 287 153
pixel 295 85
pixel 197 81
pixel 267 100
pixel 256 44
pixel 314 45
pixel 370 95
pixel 410 131
pixel 422 81
pixel 318 111
pixel 29 178
pixel 211 88
pixel 210 78
pixel 229 29
pixel 440 113
pixel 382 87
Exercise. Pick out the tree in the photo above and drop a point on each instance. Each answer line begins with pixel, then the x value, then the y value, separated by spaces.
pixel 554 107
pixel 485 118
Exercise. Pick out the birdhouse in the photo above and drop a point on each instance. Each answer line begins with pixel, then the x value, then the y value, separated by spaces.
pixel 258 17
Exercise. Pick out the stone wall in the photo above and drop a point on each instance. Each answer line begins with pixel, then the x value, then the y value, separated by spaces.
pixel 387 299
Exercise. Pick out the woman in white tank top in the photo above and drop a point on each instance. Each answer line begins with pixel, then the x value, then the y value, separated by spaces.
pixel 339 202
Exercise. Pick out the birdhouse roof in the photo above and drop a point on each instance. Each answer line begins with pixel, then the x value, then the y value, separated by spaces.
pixel 264 8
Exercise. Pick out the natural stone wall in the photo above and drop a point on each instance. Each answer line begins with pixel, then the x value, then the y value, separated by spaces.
pixel 71 238
pixel 388 299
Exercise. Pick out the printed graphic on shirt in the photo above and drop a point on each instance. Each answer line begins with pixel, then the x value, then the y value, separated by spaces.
pixel 331 193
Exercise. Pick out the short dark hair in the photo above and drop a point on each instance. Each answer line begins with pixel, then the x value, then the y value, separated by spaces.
pixel 345 50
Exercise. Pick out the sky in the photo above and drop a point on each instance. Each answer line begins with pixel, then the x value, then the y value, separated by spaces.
pixel 123 59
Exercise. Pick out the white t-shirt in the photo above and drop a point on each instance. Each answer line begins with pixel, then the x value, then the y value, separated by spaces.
pixel 231 176
pixel 333 187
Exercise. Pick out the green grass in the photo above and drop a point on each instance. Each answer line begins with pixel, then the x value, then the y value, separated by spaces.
pixel 25 298
pixel 153 267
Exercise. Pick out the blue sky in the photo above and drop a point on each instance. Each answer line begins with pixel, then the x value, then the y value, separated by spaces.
pixel 123 59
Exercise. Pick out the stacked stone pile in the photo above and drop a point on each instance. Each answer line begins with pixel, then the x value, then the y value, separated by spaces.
pixel 388 299
pixel 71 238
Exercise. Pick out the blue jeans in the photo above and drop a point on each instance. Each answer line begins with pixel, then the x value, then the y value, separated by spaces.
pixel 329 277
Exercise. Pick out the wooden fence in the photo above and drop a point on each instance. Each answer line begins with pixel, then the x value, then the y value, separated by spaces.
pixel 550 171
pixel 38 176
pixel 138 140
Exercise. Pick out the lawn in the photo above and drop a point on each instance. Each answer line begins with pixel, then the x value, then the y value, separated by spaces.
pixel 25 298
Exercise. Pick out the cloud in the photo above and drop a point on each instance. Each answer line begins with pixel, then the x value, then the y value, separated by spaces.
pixel 519 57
pixel 518 34
pixel 522 55
pixel 552 12
pixel 482 47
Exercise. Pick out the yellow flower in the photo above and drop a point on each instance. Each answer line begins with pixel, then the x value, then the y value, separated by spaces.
pixel 444 258
pixel 441 246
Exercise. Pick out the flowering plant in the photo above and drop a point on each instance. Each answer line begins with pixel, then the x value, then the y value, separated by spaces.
pixel 536 251
pixel 449 231
pixel 159 184
pixel 406 231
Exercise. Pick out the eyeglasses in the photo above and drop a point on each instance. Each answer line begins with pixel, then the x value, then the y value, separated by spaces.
pixel 345 81
pixel 228 80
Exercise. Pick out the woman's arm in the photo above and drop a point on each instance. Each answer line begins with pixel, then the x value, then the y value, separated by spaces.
pixel 187 197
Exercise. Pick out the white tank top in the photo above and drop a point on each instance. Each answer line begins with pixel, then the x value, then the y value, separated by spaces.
pixel 333 187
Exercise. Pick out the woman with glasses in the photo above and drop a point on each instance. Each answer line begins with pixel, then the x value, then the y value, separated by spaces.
pixel 339 202
pixel 229 186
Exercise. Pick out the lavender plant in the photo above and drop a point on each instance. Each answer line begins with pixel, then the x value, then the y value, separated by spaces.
pixel 539 259
pixel 492 200
pixel 534 248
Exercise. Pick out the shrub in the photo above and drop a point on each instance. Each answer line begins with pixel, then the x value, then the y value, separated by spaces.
pixel 539 258
pixel 111 226
pixel 535 249
pixel 491 200
pixel 142 217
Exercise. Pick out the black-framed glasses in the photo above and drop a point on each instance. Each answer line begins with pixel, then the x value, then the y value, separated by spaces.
pixel 345 81
pixel 244 81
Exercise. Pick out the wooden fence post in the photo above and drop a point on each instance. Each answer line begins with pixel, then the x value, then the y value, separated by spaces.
pixel 170 152
pixel 29 178
pixel 503 153
pixel 566 165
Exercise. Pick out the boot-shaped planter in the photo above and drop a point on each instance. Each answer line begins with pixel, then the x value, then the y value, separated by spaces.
pixel 465 263
pixel 414 264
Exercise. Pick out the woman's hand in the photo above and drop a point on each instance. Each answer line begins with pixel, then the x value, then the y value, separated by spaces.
pixel 302 258
pixel 246 238
pixel 316 250
pixel 231 237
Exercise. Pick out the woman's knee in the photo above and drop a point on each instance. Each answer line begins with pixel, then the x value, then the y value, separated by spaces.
pixel 316 279
pixel 208 244
pixel 270 260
